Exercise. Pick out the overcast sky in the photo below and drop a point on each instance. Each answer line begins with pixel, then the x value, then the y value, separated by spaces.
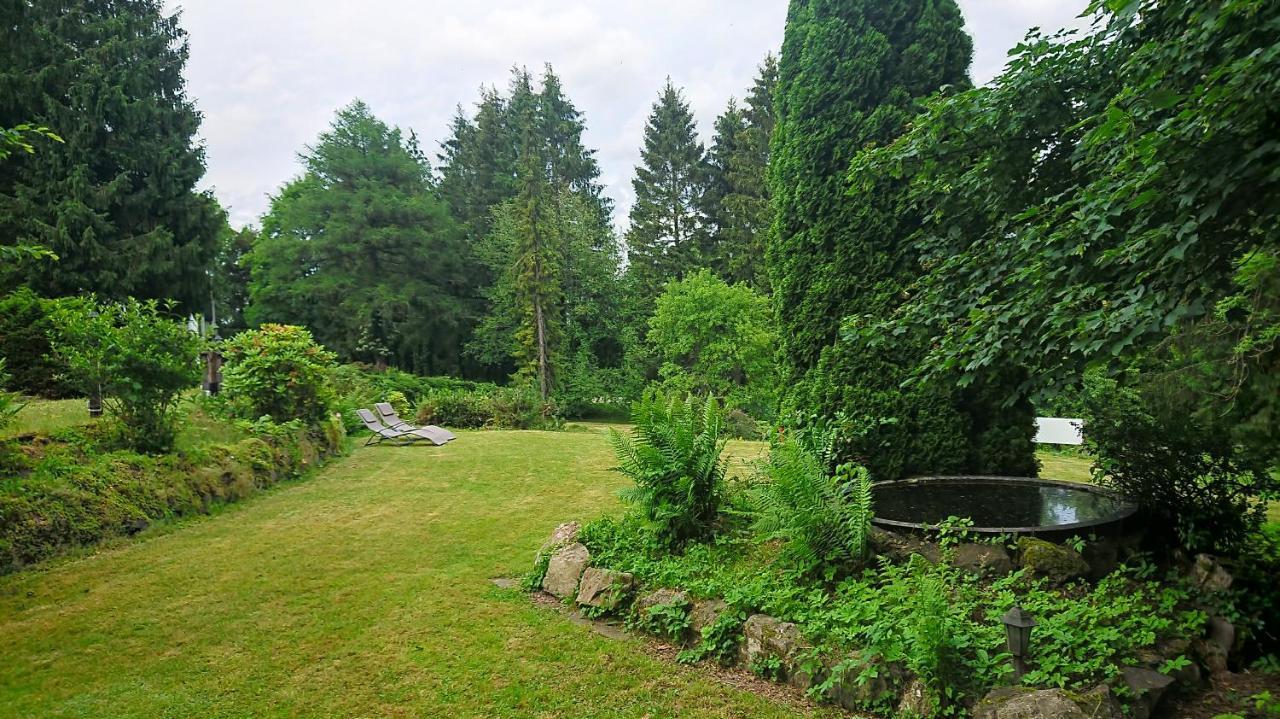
pixel 269 74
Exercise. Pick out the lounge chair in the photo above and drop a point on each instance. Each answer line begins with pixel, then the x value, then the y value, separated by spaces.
pixel 395 436
pixel 388 415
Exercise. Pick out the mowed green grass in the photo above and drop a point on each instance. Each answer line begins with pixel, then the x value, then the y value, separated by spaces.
pixel 43 416
pixel 362 591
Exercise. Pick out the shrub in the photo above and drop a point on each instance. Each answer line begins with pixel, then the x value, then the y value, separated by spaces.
pixel 25 329
pixel 740 425
pixel 399 402
pixel 461 409
pixel 9 404
pixel 822 517
pixel 673 456
pixel 280 372
pixel 139 359
pixel 1182 468
pixel 520 407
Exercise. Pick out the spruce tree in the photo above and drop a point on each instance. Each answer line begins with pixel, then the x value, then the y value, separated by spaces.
pixel 666 221
pixel 117 201
pixel 850 75
pixel 720 235
pixel 362 251
pixel 747 205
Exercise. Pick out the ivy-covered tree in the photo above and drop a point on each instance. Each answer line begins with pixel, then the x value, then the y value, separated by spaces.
pixel 116 202
pixel 666 219
pixel 851 74
pixel 359 249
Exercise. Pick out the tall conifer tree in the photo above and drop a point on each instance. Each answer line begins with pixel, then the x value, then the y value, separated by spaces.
pixel 361 250
pixel 666 219
pixel 117 201
pixel 850 74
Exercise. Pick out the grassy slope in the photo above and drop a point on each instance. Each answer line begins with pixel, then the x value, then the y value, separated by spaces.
pixel 361 592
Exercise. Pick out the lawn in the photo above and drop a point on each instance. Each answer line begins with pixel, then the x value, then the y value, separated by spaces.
pixel 45 416
pixel 362 591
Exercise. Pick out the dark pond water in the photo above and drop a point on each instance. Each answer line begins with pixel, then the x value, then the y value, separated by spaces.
pixel 994 503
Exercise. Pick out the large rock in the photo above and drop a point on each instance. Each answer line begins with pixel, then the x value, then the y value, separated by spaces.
pixel 604 588
pixel 1050 561
pixel 1214 650
pixel 1099 703
pixel 764 637
pixel 848 692
pixel 1146 686
pixel 705 613
pixel 1102 556
pixel 1210 576
pixel 898 548
pixel 563 536
pixel 1025 703
pixel 565 569
pixel 984 560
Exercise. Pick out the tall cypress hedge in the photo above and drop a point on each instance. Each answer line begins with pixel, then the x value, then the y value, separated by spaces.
pixel 850 75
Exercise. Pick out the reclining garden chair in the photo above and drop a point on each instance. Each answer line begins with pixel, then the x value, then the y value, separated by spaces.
pixel 388 415
pixel 395 436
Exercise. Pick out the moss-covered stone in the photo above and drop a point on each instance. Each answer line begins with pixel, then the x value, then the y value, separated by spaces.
pixel 1051 561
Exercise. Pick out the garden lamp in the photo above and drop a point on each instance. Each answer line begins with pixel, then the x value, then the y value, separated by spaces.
pixel 1017 630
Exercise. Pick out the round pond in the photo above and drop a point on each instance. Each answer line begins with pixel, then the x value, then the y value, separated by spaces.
pixel 1000 505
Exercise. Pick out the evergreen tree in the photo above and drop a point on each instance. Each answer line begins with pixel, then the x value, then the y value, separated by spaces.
pixel 746 207
pixel 116 202
pixel 569 162
pixel 850 75
pixel 230 281
pixel 362 251
pixel 665 221
pixel 720 235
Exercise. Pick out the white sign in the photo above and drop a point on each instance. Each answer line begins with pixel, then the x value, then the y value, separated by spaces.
pixel 1059 430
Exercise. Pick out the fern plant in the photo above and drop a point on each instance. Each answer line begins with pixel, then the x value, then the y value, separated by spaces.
pixel 674 457
pixel 822 517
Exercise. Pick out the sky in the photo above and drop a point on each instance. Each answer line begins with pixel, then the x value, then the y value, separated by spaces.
pixel 268 75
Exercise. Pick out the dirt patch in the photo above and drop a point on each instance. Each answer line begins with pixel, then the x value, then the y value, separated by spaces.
pixel 1227 693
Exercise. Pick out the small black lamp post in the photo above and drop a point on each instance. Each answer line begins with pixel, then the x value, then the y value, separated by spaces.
pixel 213 367
pixel 1017 630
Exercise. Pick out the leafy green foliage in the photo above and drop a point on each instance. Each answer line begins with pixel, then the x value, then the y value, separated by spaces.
pixel 116 200
pixel 9 401
pixel 1191 476
pixel 719 640
pixel 132 355
pixel 715 338
pixel 280 372
pixel 850 76
pixel 25 328
pixel 673 456
pixel 668 621
pixel 362 252
pixel 822 517
pixel 1097 196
